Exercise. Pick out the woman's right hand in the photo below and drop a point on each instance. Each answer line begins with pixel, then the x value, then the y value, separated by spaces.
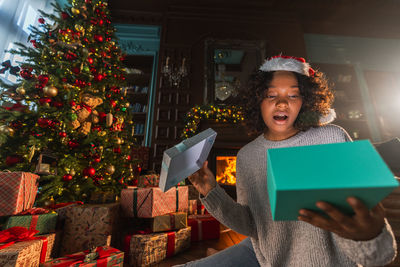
pixel 203 180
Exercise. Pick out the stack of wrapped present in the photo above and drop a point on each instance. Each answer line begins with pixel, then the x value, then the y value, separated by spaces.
pixel 28 235
pixel 164 231
pixel 33 236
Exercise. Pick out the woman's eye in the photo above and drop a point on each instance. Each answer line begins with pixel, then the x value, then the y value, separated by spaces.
pixel 294 96
pixel 271 96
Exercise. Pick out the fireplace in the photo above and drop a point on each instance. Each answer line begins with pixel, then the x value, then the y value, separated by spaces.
pixel 222 162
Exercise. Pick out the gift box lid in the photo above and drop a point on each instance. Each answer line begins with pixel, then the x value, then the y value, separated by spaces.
pixel 185 158
pixel 298 177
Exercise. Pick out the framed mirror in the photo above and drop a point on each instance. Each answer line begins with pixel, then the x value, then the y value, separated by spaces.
pixel 228 66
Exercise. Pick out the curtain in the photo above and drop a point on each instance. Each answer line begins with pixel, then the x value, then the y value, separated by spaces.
pixel 15 18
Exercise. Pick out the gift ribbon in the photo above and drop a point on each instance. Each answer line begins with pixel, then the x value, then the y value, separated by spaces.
pixel 170 244
pixel 101 260
pixel 172 220
pixel 62 205
pixel 177 199
pixel 19 234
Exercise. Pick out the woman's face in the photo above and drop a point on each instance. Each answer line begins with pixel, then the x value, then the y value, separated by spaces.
pixel 281 105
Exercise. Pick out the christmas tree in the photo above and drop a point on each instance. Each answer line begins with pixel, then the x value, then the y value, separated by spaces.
pixel 67 117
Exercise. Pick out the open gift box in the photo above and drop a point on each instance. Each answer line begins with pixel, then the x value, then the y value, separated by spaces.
pixel 185 158
pixel 298 177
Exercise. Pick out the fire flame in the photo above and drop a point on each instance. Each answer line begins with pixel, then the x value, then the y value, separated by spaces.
pixel 226 170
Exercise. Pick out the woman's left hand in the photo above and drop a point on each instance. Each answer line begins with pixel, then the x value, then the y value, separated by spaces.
pixel 364 225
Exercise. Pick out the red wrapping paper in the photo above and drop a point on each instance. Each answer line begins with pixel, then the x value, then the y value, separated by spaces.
pixel 204 227
pixel 17 192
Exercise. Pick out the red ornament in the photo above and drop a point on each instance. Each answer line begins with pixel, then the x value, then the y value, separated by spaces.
pixel 76 70
pixel 44 100
pixel 44 122
pixel 12 160
pixel 62 134
pixel 33 42
pixel 64 15
pixel 26 73
pixel 102 116
pixel 70 55
pixel 99 77
pixel 128 157
pixel 89 171
pixel 41 20
pixel 43 79
pixel 73 144
pixel 98 38
pixel 72 103
pixel 96 158
pixel 101 22
pixel 67 177
pixel 57 104
pixel 113 103
pixel 90 60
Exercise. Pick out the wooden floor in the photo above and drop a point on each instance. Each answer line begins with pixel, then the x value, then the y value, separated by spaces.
pixel 198 250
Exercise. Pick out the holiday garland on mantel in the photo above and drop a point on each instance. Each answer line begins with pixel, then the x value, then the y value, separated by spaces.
pixel 217 113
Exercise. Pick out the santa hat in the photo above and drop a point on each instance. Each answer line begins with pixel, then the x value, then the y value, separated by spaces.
pixel 280 62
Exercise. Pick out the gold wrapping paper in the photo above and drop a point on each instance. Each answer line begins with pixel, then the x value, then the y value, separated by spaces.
pixel 169 222
pixel 21 254
pixel 148 249
pixel 87 226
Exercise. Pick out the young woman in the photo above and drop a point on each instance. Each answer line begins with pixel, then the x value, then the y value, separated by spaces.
pixel 289 104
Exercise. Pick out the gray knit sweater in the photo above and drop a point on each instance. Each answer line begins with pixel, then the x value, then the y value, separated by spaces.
pixel 290 243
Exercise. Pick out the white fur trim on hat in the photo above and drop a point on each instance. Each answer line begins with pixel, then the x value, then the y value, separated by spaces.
pixel 287 63
pixel 331 116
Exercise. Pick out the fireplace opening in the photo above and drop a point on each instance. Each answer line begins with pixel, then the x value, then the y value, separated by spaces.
pixel 222 162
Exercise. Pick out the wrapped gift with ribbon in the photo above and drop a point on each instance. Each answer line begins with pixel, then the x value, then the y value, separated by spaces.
pixel 17 192
pixel 151 202
pixel 89 225
pixel 20 247
pixel 204 227
pixel 42 220
pixel 145 248
pixel 169 222
pixel 100 257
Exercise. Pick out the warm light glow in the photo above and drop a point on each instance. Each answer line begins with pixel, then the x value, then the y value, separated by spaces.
pixel 226 170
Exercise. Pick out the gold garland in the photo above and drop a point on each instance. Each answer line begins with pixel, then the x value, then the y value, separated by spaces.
pixel 232 114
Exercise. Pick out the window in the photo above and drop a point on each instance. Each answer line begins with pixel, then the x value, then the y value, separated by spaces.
pixel 15 18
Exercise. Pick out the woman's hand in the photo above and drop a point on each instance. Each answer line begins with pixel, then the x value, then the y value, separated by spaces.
pixel 363 225
pixel 203 180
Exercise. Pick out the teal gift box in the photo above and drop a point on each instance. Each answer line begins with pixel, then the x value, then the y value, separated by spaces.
pixel 298 177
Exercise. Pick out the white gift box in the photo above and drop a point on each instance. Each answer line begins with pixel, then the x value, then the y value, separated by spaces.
pixel 185 158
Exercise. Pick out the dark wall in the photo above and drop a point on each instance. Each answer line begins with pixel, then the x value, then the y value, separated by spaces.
pixel 281 24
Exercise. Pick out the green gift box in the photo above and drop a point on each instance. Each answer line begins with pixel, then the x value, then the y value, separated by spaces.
pixel 298 177
pixel 44 223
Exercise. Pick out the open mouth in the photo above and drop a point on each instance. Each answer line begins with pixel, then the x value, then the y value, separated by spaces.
pixel 280 117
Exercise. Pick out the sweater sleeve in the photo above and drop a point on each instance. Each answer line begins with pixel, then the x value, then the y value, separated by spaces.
pixel 233 214
pixel 375 252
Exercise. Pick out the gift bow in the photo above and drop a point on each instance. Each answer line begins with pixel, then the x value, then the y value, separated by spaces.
pixel 7 66
pixel 16 234
pixel 70 260
pixel 19 234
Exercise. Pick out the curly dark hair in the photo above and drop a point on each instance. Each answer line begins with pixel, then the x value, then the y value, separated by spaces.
pixel 316 93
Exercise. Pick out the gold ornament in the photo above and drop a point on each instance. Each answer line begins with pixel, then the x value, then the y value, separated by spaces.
pixel 127 104
pixel 75 11
pixel 72 172
pixel 118 141
pixel 102 133
pixel 109 119
pixel 6 130
pixel 110 169
pixel 20 90
pixel 50 91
